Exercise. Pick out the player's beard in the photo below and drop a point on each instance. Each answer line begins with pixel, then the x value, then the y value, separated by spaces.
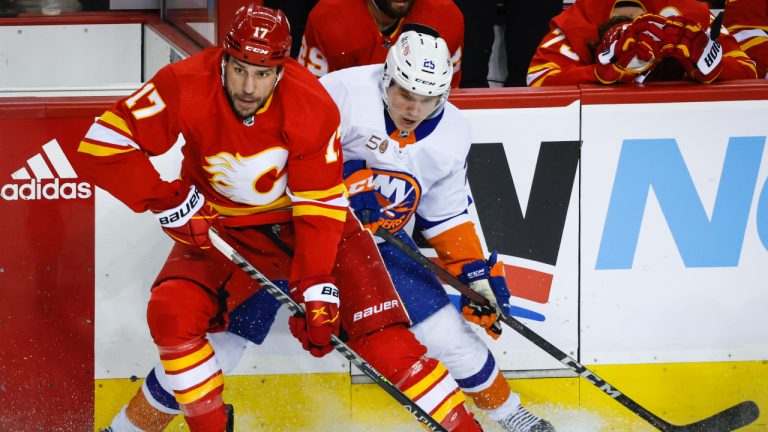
pixel 394 11
pixel 244 112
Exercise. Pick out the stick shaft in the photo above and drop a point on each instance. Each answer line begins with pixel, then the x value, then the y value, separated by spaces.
pixel 737 416
pixel 415 410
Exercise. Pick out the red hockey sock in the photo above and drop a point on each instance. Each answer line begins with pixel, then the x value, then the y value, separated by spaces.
pixel 396 353
pixel 206 414
pixel 429 384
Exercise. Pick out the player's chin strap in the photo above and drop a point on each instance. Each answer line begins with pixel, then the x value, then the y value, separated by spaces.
pixel 223 73
pixel 295 308
pixel 730 419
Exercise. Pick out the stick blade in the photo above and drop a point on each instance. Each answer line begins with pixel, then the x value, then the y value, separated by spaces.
pixel 731 419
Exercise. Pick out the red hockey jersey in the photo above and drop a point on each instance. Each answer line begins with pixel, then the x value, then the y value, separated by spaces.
pixel 288 159
pixel 747 21
pixel 342 33
pixel 565 55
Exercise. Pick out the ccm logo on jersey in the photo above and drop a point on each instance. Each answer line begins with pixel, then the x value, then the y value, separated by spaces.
pixel 381 307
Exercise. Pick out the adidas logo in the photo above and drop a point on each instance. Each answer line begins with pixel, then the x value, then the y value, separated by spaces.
pixel 56 168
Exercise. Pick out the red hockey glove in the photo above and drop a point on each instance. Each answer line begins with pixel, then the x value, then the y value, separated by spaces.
pixel 629 49
pixel 362 194
pixel 487 279
pixel 185 217
pixel 321 319
pixel 692 46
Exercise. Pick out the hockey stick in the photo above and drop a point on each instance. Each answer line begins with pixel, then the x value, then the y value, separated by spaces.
pixel 415 410
pixel 730 419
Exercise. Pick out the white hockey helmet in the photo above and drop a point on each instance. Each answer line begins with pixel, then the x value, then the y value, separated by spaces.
pixel 419 63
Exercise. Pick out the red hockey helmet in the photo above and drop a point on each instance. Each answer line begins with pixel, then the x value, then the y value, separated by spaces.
pixel 259 35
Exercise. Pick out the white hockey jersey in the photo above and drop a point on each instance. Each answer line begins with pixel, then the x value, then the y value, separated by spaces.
pixel 427 177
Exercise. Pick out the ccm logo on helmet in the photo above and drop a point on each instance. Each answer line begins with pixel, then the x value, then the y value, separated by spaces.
pixel 257 50
pixel 365 313
pixel 419 80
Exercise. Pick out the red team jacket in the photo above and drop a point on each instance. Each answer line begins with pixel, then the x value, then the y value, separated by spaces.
pixel 342 33
pixel 747 20
pixel 289 160
pixel 565 57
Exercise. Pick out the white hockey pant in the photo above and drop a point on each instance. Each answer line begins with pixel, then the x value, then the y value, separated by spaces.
pixel 451 339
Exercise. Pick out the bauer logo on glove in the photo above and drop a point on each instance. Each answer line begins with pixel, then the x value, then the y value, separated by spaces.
pixel 326 290
pixel 185 217
pixel 695 48
pixel 178 216
pixel 712 58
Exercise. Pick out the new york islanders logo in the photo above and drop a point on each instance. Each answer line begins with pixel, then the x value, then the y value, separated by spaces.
pixel 399 194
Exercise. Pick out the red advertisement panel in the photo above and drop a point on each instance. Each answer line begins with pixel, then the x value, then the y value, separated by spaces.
pixel 46 271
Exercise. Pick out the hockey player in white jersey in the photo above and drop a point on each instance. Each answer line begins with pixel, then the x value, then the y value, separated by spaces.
pixel 405 148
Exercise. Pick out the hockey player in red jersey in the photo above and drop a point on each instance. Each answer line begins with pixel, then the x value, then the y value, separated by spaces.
pixel 344 33
pixel 747 20
pixel 262 163
pixel 654 40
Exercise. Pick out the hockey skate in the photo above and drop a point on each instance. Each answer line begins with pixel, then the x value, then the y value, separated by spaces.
pixel 524 421
pixel 229 409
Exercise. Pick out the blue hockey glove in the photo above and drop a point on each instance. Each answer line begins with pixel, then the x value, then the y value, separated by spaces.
pixel 487 279
pixel 362 194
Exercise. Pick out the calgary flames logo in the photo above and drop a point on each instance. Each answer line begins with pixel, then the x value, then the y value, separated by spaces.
pixel 254 180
